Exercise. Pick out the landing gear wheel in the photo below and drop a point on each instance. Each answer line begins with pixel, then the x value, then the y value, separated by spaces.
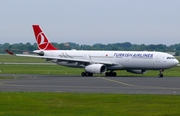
pixel 114 74
pixel 86 74
pixel 110 74
pixel 89 74
pixel 83 74
pixel 160 75
pixel 107 74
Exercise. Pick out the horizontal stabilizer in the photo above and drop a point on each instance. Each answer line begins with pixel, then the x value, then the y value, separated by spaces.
pixel 9 52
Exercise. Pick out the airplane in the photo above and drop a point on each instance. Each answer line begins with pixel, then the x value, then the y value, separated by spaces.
pixel 101 62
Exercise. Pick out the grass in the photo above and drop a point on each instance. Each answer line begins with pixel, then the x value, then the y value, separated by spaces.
pixel 80 104
pixel 67 71
pixel 16 59
pixel 38 69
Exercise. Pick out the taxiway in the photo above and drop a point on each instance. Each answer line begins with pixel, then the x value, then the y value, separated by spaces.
pixel 56 83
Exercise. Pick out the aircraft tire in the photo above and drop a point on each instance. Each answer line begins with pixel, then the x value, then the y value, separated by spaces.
pixel 89 74
pixel 83 74
pixel 110 74
pixel 107 74
pixel 114 74
pixel 160 75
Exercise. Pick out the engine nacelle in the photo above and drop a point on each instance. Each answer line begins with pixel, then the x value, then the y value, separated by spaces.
pixel 137 71
pixel 96 68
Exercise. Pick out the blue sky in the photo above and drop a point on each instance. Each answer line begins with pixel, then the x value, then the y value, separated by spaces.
pixel 92 21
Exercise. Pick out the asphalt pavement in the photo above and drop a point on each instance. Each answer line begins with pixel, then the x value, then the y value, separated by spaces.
pixel 57 83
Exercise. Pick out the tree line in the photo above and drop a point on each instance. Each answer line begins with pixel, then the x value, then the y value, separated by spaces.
pixel 126 46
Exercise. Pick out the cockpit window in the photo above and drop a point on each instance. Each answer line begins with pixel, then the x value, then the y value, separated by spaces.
pixel 170 58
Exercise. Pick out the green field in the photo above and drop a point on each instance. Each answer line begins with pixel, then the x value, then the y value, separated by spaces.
pixel 87 104
pixel 80 104
pixel 10 58
pixel 66 71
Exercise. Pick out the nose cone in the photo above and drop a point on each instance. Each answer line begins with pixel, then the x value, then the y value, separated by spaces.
pixel 176 62
pixel 172 63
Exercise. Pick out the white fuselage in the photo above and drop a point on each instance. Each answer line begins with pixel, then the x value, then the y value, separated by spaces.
pixel 119 59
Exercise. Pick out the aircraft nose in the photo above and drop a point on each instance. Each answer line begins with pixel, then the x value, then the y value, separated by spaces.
pixel 176 62
pixel 173 62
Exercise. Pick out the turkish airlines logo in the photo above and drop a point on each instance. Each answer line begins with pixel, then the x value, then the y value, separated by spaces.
pixel 42 41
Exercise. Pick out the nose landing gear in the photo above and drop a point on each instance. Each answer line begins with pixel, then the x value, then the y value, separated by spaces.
pixel 160 75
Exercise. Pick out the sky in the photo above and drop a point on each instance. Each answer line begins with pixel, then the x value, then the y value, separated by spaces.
pixel 91 21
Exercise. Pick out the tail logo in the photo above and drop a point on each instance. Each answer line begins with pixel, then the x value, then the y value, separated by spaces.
pixel 42 41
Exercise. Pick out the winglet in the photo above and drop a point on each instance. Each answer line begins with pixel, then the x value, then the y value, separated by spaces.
pixel 9 52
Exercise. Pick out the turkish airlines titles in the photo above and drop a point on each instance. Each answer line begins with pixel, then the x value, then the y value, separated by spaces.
pixel 134 55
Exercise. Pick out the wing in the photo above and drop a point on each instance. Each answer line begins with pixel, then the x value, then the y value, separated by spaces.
pixel 63 59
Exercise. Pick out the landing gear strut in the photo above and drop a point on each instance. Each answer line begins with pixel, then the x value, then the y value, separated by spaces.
pixel 160 75
pixel 83 74
pixel 110 74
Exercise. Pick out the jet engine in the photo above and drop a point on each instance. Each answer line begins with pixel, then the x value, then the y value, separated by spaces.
pixel 96 68
pixel 137 71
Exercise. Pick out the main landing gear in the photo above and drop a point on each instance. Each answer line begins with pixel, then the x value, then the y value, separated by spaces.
pixel 107 74
pixel 110 74
pixel 160 75
pixel 83 74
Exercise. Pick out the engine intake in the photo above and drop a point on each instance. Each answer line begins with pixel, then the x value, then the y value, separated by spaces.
pixel 96 68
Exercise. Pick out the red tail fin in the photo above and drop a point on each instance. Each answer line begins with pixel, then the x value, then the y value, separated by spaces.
pixel 42 41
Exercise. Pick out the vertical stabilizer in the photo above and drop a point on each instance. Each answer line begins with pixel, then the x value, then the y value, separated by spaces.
pixel 42 41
